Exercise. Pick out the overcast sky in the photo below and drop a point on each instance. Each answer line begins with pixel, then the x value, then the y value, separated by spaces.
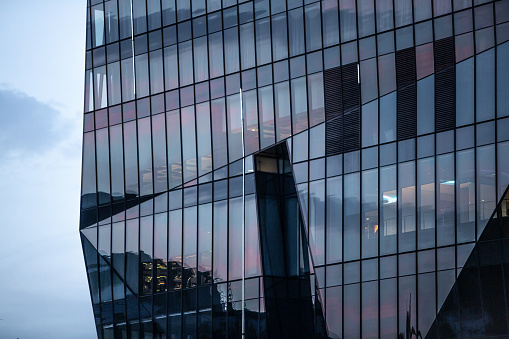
pixel 43 287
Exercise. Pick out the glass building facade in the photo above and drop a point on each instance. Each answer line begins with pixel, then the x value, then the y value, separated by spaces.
pixel 297 168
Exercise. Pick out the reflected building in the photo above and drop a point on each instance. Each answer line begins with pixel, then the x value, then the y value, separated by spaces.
pixel 297 168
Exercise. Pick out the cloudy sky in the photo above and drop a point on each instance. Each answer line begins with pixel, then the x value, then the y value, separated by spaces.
pixel 43 287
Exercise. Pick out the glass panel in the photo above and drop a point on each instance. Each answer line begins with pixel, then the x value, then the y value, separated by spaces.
pixel 352 311
pixel 352 216
pixel 426 202
pixel 384 15
pixel 369 243
pixel 175 249
pixel 426 105
pixel 216 54
pixel 139 16
pixel 299 105
pixel 142 77
pixel 117 162
pixel 406 206
pixel 235 239
pixel 219 133
pixel 252 250
pixel 247 46
pixel 201 62
pixel 316 99
pixel 263 43
pixel 131 159
pixel 313 27
pixel 465 193
pixel 159 149
pixel 370 309
pixel 174 151
pixel 188 143
pixel 204 138
pixel 88 181
pixel 317 221
pixel 266 116
pixel 189 249
pixel 502 80
pixel 282 105
pixel 156 72
pixel 220 237
pixel 445 199
pixel 366 13
pixel 388 210
pixel 100 92
pixel 114 89
pixel 161 250
pixel 231 50
pixel 348 20
pixel 186 63
pixel 486 186
pixel 370 124
pixel 124 13
pixel 98 25
pixel 146 243
pixel 145 156
pixel 330 22
pixel 296 31
pixel 465 92
pixel 279 37
pixel 170 67
pixel 485 85
pixel 103 166
pixel 250 111
pixel 234 128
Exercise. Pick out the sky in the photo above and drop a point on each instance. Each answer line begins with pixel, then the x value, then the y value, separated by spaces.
pixel 43 284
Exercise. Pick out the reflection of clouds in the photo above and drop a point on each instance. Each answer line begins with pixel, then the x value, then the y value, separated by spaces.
pixel 28 126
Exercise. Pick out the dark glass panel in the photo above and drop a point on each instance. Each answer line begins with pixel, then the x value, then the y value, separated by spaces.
pixel 175 249
pixel 370 124
pixel 132 256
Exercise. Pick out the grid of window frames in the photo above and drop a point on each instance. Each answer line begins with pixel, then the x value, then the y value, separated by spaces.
pixel 396 113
